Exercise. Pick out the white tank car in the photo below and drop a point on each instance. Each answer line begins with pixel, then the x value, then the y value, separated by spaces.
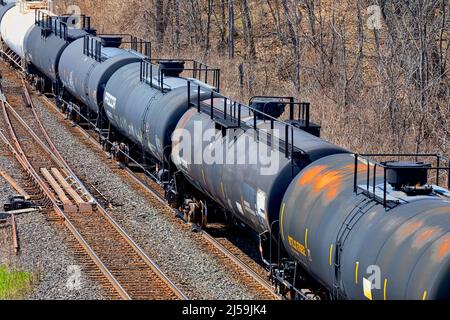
pixel 15 27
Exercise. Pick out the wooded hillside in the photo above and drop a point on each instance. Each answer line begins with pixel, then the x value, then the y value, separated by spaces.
pixel 377 76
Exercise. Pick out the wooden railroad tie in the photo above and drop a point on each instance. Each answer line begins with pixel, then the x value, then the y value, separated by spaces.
pixel 68 206
pixel 14 184
pixel 83 206
pixel 72 201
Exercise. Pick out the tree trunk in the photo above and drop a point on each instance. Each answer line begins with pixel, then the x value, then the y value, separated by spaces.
pixel 177 25
pixel 159 24
pixel 231 29
pixel 208 27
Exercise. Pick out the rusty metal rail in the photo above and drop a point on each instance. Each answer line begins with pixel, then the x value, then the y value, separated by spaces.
pixel 242 265
pixel 15 237
pixel 128 269
pixel 21 158
pixel 14 184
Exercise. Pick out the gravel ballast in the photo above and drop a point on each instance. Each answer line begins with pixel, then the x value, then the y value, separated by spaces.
pixel 171 245
pixel 55 271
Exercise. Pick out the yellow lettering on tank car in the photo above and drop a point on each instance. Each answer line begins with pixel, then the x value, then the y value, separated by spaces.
pixel 282 218
pixel 330 258
pixel 297 246
pixel 367 288
pixel 424 297
pixel 306 238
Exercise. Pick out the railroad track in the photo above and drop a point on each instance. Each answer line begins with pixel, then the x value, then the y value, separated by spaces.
pixel 236 260
pixel 124 268
pixel 253 274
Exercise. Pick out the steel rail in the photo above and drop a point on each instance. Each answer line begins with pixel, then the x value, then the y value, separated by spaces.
pixel 241 265
pixel 264 283
pixel 137 249
pixel 46 191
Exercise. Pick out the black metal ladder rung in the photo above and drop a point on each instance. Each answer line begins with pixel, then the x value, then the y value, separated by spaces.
pixel 348 225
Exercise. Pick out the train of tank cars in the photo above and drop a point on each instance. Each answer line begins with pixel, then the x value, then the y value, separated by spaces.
pixel 343 225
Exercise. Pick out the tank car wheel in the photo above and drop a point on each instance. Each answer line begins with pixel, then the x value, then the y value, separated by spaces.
pixel 40 86
pixel 163 175
pixel 204 215
pixel 281 290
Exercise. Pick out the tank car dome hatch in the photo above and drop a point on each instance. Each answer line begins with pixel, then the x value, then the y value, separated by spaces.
pixel 401 174
pixel 271 107
pixel 171 68
pixel 111 41
pixel 311 127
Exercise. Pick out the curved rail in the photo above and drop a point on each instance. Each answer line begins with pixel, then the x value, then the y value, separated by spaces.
pixel 262 282
pixel 22 159
pixel 56 157
pixel 217 245
pixel 116 226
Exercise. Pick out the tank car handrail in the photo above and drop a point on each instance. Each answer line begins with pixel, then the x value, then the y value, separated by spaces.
pixel 231 121
pixel 385 167
pixel 92 47
pixel 200 70
pixel 137 44
pixel 147 76
pixel 252 110
pixel 303 110
pixel 57 26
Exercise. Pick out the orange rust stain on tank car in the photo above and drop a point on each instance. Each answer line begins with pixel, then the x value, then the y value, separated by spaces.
pixel 329 183
pixel 311 174
pixel 362 167
pixel 424 235
pixel 332 193
pixel 408 229
pixel 443 248
pixel 326 180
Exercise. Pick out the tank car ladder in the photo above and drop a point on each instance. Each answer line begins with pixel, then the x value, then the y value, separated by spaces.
pixel 347 226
